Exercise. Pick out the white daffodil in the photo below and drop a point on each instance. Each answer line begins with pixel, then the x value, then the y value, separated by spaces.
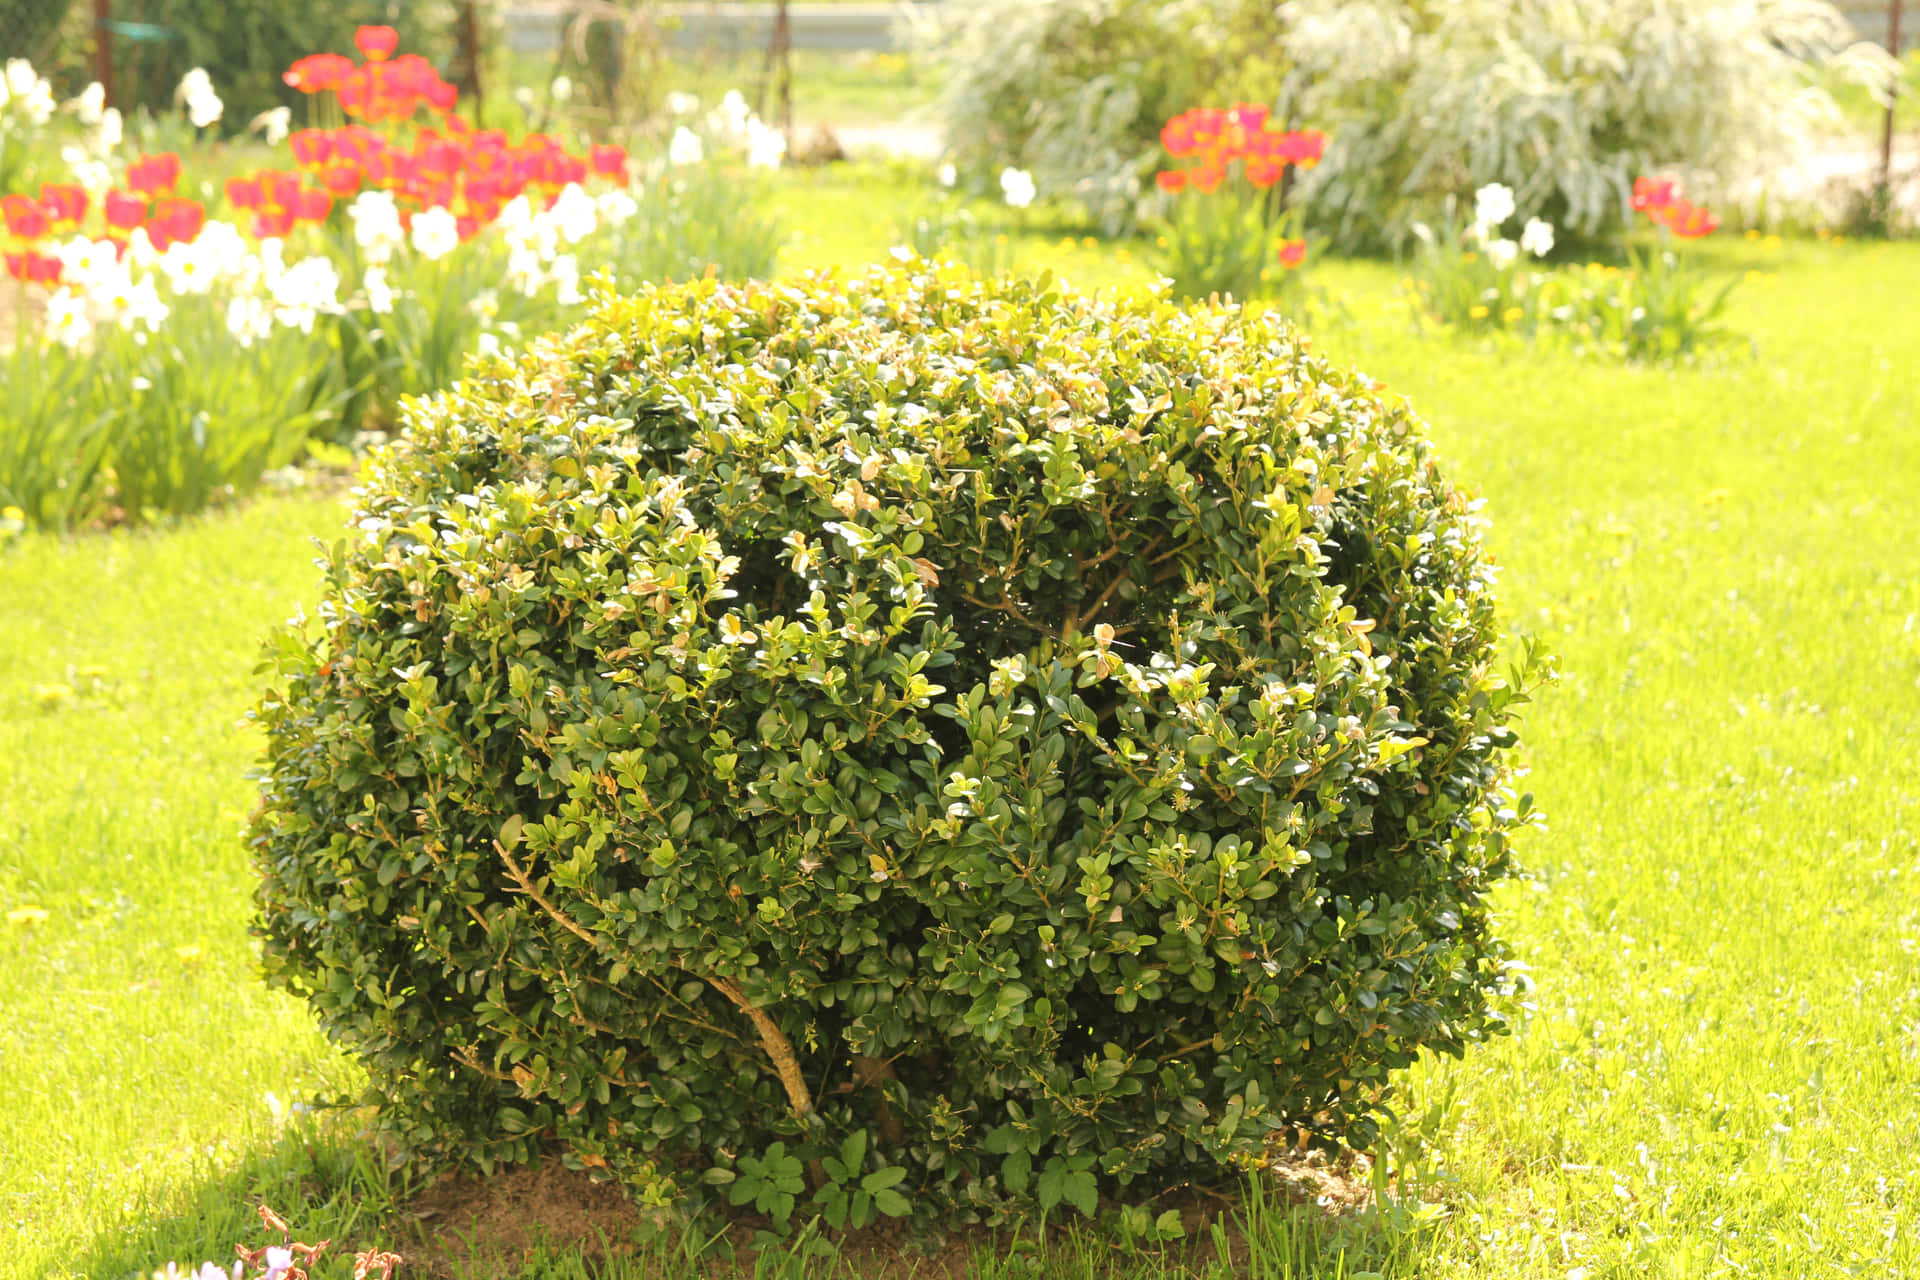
pixel 685 148
pixel 274 125
pixel 947 175
pixel 1501 253
pixel 617 206
pixel 376 225
pixel 89 104
pixel 1537 237
pixel 249 320
pixel 67 322
pixel 766 147
pixel 436 233
pixel 566 278
pixel 1492 205
pixel 379 292
pixel 1017 186
pixel 574 214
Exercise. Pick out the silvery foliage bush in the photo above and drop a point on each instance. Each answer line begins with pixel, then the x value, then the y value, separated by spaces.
pixel 1566 101
pixel 1075 91
pixel 968 741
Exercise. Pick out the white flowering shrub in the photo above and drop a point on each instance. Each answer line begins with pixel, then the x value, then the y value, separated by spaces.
pixel 1074 91
pixel 1565 101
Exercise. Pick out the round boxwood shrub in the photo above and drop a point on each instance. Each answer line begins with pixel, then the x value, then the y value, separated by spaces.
pixel 974 742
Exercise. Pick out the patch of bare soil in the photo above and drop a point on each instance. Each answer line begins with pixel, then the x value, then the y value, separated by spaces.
pixel 487 1228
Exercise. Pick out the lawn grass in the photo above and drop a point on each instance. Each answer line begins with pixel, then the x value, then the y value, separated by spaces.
pixel 1718 1073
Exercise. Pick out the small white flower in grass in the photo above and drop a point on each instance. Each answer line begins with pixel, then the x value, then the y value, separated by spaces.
pixel 140 305
pixel 140 250
pixel 617 206
pixel 21 78
pixel 304 291
pixel 187 267
pixel 196 81
pixel 526 270
pixel 946 174
pixel 682 104
pixel 733 114
pixel 274 125
pixel 89 104
pixel 379 292
pixel 1501 254
pixel 574 214
pixel 204 110
pixel 93 175
pixel 1492 205
pixel 436 233
pixel 485 306
pixel 67 322
pixel 562 89
pixel 112 128
pixel 1537 237
pixel 766 147
pixel 685 148
pixel 566 279
pixel 1017 186
pixel 488 344
pixel 86 262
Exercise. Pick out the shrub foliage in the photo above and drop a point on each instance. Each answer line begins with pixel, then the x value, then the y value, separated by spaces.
pixel 981 743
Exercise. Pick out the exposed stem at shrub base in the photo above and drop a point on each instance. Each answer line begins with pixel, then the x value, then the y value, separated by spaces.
pixel 786 1064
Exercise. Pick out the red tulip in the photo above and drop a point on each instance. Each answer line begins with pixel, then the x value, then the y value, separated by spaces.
pixel 282 190
pixel 376 43
pixel 311 147
pixel 318 72
pixel 152 175
pixel 124 212
pixel 272 225
pixel 175 220
pixel 63 202
pixel 312 206
pixel 1649 195
pixel 610 161
pixel 1292 253
pixel 24 218
pixel 33 268
pixel 243 193
pixel 1171 180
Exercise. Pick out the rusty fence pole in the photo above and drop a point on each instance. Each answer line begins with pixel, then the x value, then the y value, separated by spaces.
pixel 103 47
pixel 1886 128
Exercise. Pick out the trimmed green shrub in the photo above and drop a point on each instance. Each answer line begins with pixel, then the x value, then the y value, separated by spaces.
pixel 968 742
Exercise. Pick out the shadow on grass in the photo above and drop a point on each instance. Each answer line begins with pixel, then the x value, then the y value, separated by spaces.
pixel 549 1223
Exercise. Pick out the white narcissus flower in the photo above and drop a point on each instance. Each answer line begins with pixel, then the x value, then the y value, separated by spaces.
pixel 1017 186
pixel 436 233
pixel 274 125
pixel 1501 254
pixel 1492 205
pixel 566 279
pixel 93 175
pixel 1537 237
pixel 376 225
pixel 140 304
pixel 617 206
pixel 192 84
pixel 766 147
pixel 561 89
pixel 574 214
pixel 733 114
pixel 112 129
pixel 67 322
pixel 89 104
pixel 685 148
pixel 86 262
pixel 379 292
pixel 187 267
pixel 526 270
pixel 226 251
pixel 140 250
pixel 304 291
pixel 21 78
pixel 682 104
pixel 488 344
pixel 947 175
pixel 249 320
